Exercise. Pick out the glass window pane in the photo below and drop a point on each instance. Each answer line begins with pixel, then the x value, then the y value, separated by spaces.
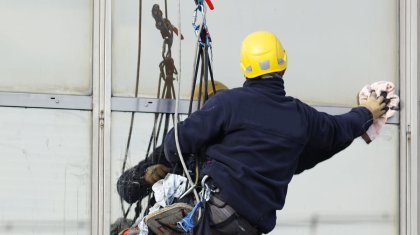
pixel 125 47
pixel 140 138
pixel 334 47
pixel 45 163
pixel 46 46
pixel 355 192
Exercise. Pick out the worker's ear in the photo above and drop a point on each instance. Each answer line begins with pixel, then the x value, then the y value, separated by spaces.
pixel 357 99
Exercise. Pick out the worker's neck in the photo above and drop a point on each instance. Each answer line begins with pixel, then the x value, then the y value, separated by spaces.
pixel 274 84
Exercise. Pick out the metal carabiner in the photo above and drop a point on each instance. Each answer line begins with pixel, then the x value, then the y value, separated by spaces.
pixel 205 190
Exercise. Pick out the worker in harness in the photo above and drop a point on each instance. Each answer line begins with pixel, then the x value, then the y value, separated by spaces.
pixel 257 138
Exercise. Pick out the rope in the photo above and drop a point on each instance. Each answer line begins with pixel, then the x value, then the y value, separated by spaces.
pixel 167 72
pixel 125 213
pixel 193 185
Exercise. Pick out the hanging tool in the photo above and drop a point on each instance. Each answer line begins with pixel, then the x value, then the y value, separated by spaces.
pixel 202 58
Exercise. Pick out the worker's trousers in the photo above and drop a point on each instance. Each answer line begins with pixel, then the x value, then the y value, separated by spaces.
pixel 224 220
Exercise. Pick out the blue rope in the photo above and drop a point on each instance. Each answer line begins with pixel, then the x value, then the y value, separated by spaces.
pixel 187 223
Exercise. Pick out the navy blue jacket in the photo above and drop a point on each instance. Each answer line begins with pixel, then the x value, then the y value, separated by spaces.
pixel 131 185
pixel 256 138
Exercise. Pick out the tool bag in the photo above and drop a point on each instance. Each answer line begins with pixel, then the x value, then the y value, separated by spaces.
pixel 164 221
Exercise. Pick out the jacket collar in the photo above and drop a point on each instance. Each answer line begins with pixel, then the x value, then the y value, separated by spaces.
pixel 272 85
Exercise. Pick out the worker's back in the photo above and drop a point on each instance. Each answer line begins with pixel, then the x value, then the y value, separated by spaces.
pixel 256 156
pixel 257 139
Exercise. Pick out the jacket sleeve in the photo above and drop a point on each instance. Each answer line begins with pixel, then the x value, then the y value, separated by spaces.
pixel 200 128
pixel 131 185
pixel 330 134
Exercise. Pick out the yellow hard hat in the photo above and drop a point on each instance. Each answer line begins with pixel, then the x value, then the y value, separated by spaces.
pixel 218 85
pixel 262 53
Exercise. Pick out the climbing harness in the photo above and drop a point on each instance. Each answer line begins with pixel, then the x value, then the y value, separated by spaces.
pixel 187 223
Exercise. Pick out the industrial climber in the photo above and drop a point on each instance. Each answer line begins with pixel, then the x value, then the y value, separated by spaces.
pixel 257 138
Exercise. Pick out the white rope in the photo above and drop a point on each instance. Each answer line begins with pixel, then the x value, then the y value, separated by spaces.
pixel 178 148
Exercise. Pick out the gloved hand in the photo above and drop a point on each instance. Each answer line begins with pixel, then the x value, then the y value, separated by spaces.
pixel 154 173
pixel 375 104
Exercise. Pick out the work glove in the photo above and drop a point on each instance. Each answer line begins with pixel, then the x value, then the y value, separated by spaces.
pixel 154 173
pixel 376 105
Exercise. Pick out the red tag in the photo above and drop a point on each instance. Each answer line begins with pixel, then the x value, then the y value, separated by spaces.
pixel 210 4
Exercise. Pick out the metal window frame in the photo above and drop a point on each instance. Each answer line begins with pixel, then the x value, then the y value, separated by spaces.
pixel 123 104
pixel 409 129
pixel 51 101
pixel 95 190
pixel 101 119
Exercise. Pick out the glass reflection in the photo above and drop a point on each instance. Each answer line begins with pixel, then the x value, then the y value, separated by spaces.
pixel 46 166
pixel 349 54
pixel 46 46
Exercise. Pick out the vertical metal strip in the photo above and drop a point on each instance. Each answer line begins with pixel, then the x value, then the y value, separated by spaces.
pixel 417 130
pixel 95 120
pixel 403 153
pixel 414 135
pixel 107 118
pixel 99 121
pixel 101 105
pixel 409 164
